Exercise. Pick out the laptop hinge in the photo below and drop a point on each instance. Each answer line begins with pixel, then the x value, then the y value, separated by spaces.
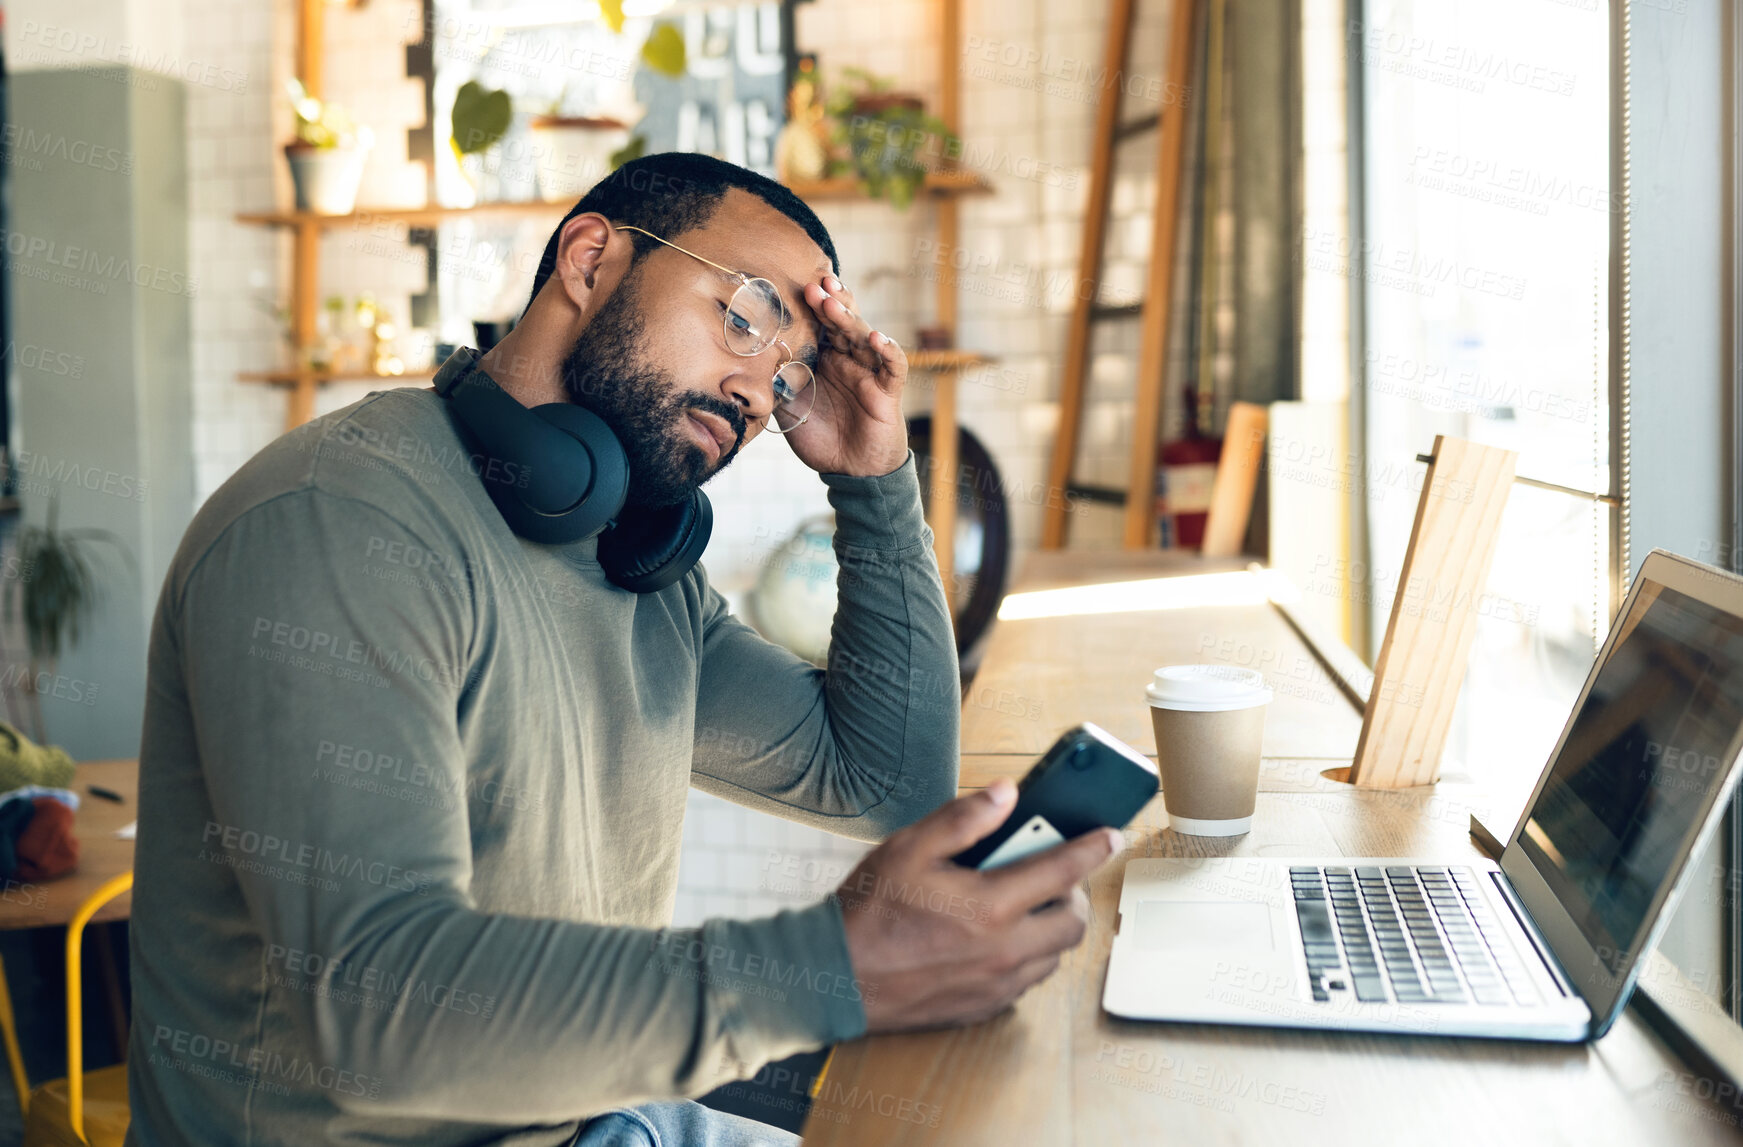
pixel 1562 983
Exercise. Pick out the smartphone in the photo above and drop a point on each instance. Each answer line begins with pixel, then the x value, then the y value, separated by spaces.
pixel 1088 779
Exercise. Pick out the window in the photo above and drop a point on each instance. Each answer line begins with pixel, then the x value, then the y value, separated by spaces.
pixel 1486 276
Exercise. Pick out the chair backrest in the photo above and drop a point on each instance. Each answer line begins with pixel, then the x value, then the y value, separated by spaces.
pixel 105 892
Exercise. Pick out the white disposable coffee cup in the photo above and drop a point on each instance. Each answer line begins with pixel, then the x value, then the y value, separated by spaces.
pixel 1210 730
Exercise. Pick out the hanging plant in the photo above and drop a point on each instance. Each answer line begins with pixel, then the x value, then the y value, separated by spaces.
pixel 664 51
pixel 481 117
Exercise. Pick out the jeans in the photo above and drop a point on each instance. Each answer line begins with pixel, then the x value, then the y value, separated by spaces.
pixel 680 1124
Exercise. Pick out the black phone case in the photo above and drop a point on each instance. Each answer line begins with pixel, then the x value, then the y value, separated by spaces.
pixel 1088 779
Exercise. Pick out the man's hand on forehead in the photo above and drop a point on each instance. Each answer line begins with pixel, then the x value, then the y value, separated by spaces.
pixel 838 327
pixel 856 426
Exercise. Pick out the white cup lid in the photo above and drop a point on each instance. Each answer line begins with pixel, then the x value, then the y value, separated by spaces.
pixel 1207 688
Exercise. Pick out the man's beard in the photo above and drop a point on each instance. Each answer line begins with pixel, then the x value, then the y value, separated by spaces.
pixel 643 405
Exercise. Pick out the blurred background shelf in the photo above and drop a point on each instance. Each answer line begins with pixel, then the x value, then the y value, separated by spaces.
pixel 939 184
pixel 410 216
pixel 943 360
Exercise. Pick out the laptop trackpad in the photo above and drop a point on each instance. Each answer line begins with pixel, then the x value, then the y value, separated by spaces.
pixel 1187 925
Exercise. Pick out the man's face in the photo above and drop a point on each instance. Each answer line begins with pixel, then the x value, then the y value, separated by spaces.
pixel 653 360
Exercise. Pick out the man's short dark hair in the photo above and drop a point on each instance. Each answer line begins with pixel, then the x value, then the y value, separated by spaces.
pixel 674 192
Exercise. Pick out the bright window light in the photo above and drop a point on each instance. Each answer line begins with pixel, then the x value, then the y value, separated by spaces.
pixel 1193 591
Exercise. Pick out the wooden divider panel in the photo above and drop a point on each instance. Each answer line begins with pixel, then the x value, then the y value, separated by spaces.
pixel 1434 614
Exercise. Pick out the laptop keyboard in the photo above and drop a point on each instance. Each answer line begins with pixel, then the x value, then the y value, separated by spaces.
pixel 1404 934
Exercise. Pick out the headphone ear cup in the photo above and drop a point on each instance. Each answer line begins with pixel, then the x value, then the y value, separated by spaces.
pixel 558 474
pixel 585 433
pixel 655 547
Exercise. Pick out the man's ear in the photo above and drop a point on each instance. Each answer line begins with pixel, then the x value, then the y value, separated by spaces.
pixel 581 248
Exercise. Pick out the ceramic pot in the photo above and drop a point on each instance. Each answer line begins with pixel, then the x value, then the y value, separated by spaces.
pixel 573 153
pixel 326 178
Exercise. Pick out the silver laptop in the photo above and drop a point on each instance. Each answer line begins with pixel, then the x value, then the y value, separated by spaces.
pixel 1545 944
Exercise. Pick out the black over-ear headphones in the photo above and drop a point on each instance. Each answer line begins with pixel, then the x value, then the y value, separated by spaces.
pixel 558 474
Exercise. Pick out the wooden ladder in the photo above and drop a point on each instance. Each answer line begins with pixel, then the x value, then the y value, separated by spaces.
pixel 1169 123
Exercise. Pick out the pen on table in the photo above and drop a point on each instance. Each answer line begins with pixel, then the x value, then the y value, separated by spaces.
pixel 106 794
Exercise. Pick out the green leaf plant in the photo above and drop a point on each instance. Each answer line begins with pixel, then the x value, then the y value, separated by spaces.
pixel 54 594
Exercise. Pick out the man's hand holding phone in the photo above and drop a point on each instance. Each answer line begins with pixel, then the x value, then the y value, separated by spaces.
pixel 935 943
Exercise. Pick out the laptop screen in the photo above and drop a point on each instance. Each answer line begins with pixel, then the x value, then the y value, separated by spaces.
pixel 1639 766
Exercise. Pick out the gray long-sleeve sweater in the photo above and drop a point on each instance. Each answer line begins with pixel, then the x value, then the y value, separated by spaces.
pixel 412 790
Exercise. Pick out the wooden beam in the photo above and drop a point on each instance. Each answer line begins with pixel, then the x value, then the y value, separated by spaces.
pixel 1140 519
pixel 949 62
pixel 944 424
pixel 311 17
pixel 949 111
pixel 1095 211
pixel 944 486
pixel 306 244
pixel 305 311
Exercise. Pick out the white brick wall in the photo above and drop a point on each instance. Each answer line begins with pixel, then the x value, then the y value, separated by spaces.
pixel 230 169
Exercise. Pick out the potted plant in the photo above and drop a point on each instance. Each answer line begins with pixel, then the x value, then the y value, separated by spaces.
pixel 54 595
pixel 327 156
pixel 882 132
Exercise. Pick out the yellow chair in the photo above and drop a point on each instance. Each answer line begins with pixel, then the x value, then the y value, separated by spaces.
pixel 81 1109
pixel 9 1035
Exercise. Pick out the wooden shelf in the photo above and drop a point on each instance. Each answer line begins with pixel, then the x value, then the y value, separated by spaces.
pixel 840 187
pixel 946 360
pixel 844 187
pixel 410 216
pixel 320 377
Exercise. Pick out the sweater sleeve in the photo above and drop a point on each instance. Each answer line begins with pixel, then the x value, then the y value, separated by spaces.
pixel 870 742
pixel 288 645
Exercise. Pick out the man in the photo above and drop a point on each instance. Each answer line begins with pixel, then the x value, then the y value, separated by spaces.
pixel 412 786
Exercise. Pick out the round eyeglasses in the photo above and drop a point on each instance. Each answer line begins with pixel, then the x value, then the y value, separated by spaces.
pixel 751 324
